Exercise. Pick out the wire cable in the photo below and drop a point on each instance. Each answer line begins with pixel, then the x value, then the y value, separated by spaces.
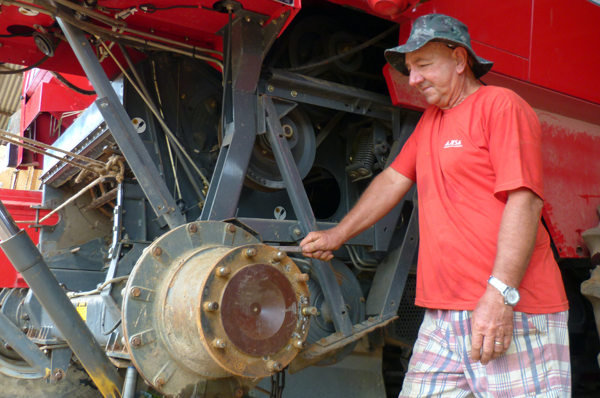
pixel 356 49
pixel 17 71
pixel 151 8
pixel 25 34
pixel 157 114
pixel 73 87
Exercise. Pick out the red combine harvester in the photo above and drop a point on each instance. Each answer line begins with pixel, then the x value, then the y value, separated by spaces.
pixel 182 144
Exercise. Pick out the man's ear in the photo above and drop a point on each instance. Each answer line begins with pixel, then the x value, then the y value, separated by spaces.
pixel 461 57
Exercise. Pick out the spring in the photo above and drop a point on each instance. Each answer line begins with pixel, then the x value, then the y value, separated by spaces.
pixel 364 152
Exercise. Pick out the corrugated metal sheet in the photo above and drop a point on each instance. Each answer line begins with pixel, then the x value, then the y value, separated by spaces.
pixel 10 94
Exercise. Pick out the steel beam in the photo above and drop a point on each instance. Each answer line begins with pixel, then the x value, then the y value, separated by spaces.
pixel 27 260
pixel 123 130
pixel 306 218
pixel 390 279
pixel 240 116
pixel 310 90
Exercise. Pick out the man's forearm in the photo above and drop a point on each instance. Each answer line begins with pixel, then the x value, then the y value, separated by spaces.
pixel 382 195
pixel 517 235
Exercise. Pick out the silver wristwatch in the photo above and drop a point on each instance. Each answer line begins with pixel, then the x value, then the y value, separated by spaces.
pixel 510 294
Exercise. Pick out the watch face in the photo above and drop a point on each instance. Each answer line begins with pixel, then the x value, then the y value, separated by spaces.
pixel 512 297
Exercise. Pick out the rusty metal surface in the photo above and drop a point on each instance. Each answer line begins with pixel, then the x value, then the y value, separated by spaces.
pixel 293 327
pixel 208 307
pixel 254 310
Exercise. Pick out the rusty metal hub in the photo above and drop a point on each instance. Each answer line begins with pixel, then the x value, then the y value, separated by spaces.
pixel 208 306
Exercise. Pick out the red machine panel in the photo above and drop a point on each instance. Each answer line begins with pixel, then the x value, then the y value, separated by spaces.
pixel 565 50
pixel 19 205
pixel 504 25
pixel 48 108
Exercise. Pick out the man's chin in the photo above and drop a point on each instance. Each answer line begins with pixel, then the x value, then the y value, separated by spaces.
pixel 432 99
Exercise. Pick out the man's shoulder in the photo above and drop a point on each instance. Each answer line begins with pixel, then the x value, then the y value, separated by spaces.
pixel 496 96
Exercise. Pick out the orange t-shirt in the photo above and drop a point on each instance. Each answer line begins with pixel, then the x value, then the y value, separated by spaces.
pixel 464 160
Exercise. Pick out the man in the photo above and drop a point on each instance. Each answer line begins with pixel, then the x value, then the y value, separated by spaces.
pixel 496 324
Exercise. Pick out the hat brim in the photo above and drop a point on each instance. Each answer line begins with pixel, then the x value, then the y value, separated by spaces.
pixel 396 56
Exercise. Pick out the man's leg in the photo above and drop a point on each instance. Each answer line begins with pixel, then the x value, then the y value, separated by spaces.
pixel 435 368
pixel 537 364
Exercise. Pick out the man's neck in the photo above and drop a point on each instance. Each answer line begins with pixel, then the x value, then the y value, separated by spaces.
pixel 465 88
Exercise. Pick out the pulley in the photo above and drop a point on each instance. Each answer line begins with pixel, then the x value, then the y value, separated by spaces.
pixel 44 43
pixel 209 307
pixel 263 172
pixel 322 324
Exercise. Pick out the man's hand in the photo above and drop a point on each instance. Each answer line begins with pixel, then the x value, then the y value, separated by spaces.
pixel 492 322
pixel 320 244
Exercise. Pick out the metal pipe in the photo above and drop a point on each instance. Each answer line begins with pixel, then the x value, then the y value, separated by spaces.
pixel 130 382
pixel 31 353
pixel 28 261
pixel 8 227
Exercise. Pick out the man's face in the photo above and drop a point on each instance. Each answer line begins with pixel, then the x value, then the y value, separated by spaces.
pixel 433 70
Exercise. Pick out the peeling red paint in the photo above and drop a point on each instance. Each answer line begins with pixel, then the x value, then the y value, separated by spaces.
pixel 571 169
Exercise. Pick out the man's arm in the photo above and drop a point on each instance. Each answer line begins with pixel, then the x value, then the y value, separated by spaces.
pixel 492 319
pixel 385 192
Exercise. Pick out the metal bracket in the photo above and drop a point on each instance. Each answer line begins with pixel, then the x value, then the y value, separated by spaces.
pixel 37 225
pixel 60 360
pixel 329 345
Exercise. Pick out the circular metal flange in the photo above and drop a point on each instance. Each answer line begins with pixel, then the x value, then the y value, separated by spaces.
pixel 204 301
pixel 260 311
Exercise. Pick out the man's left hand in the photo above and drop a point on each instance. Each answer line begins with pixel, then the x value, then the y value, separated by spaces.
pixel 492 322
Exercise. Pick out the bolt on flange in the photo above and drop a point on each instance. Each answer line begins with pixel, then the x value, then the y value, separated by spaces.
pixel 210 306
pixel 250 252
pixel 219 343
pixel 306 311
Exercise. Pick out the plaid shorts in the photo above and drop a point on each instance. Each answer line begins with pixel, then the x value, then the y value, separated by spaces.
pixel 537 363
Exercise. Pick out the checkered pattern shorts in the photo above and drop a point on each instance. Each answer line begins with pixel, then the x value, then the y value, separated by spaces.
pixel 536 364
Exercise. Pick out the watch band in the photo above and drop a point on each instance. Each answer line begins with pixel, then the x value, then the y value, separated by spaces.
pixel 498 284
pixel 511 295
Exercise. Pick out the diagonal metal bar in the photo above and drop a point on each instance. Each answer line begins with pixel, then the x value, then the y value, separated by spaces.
pixel 123 130
pixel 306 218
pixel 26 348
pixel 388 284
pixel 27 260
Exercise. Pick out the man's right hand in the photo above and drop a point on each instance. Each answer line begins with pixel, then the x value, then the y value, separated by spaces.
pixel 320 244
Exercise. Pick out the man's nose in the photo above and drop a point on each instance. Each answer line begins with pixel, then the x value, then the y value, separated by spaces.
pixel 414 78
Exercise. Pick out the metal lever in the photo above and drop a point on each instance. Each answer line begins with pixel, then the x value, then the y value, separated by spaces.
pixel 306 218
pixel 289 249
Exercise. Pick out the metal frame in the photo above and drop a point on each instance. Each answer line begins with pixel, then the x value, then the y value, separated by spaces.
pixel 123 130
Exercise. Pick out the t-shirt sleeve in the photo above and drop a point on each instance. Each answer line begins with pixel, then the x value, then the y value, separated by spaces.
pixel 406 162
pixel 515 145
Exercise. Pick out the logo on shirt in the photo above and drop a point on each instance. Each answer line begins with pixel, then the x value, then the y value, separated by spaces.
pixel 453 144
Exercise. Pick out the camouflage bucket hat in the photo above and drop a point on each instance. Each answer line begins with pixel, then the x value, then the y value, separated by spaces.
pixel 436 27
